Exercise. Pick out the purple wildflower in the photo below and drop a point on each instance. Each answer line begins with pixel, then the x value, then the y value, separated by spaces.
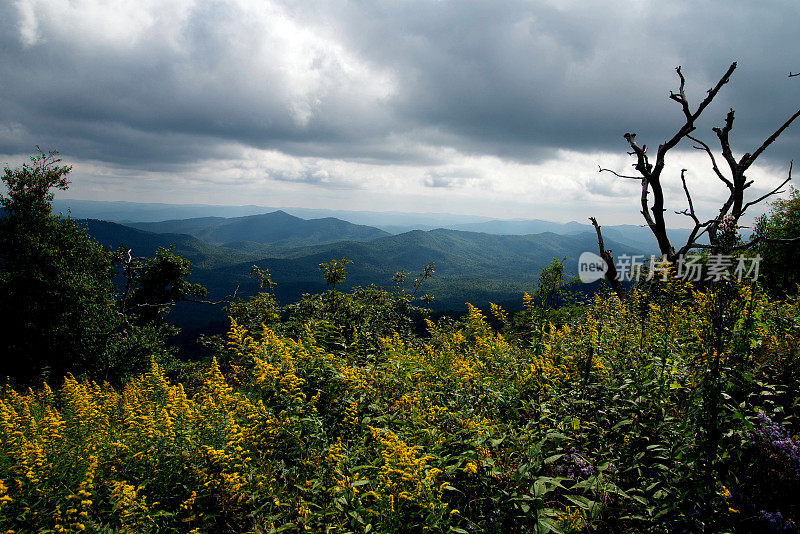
pixel 772 441
pixel 774 522
pixel 574 466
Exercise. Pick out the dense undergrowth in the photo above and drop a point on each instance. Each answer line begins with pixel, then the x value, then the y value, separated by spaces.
pixel 675 411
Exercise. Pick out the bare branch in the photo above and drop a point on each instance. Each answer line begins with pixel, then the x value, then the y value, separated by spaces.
pixel 223 300
pixel 748 160
pixel 776 240
pixel 645 169
pixel 643 200
pixel 714 166
pixel 697 232
pixel 793 75
pixel 652 173
pixel 691 212
pixel 724 141
pixel 680 97
pixel 755 241
pixel 642 162
pixel 688 127
pixel 773 192
pixel 653 208
pixel 615 173
pixel 713 92
pixel 698 226
pixel 128 266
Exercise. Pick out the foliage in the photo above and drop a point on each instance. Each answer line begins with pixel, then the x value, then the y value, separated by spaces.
pixel 263 278
pixel 153 284
pixel 780 260
pixel 605 423
pixel 58 302
pixel 28 197
pixel 353 322
pixel 676 410
pixel 334 271
pixel 55 283
pixel 554 302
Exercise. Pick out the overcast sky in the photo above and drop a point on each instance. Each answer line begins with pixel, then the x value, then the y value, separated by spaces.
pixel 498 108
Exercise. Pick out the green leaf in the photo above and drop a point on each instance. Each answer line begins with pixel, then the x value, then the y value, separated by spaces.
pixel 622 423
pixel 285 527
pixel 583 502
pixel 546 525
pixel 498 441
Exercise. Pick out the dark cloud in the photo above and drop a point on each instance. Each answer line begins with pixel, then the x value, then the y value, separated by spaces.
pixel 385 82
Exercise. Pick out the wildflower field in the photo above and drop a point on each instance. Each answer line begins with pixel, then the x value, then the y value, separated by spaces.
pixel 674 411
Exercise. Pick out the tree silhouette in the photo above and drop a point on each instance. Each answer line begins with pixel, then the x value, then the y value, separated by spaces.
pixel 650 173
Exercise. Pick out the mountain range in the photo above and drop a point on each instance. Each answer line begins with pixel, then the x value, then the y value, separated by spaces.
pixel 471 266
pixel 168 217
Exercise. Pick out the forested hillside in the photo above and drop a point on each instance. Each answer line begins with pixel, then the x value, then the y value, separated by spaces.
pixel 142 243
pixel 470 266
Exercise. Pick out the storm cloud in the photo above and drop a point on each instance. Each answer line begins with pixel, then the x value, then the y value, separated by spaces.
pixel 503 101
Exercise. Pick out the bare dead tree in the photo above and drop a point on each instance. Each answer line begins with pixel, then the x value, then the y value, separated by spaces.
pixel 734 179
pixel 611 273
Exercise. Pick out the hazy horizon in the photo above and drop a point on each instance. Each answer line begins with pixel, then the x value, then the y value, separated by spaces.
pixel 331 209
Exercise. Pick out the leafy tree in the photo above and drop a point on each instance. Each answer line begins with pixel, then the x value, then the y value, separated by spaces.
pixel 260 309
pixel 358 319
pixel 554 301
pixel 56 296
pixel 58 302
pixel 335 271
pixel 777 239
pixel 28 199
pixel 553 288
pixel 154 284
pixel 263 278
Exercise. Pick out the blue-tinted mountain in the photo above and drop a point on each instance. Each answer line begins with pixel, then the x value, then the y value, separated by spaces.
pixel 277 229
pixel 125 212
pixel 470 266
pixel 183 218
pixel 202 255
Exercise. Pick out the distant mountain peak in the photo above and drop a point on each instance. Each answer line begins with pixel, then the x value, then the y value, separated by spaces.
pixel 266 215
pixel 275 228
